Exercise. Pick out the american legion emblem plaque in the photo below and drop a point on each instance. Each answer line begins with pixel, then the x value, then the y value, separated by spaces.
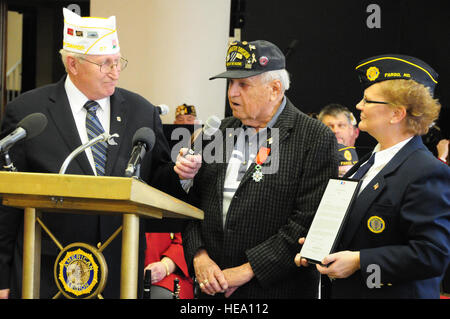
pixel 80 271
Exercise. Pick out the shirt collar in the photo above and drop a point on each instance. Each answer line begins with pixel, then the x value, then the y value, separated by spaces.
pixel 77 99
pixel 271 123
pixel 387 154
pixel 277 113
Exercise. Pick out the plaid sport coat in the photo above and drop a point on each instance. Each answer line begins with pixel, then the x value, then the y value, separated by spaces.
pixel 266 218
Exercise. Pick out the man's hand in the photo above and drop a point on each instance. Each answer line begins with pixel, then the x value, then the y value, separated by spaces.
pixel 299 261
pixel 237 276
pixel 209 276
pixel 187 166
pixel 442 149
pixel 4 293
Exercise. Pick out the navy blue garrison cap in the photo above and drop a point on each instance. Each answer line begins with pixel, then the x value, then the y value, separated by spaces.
pixel 396 66
pixel 347 155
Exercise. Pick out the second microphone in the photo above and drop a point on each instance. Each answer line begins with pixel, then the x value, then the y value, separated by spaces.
pixel 143 142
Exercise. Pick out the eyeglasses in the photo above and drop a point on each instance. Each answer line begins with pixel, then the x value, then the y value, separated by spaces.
pixel 108 66
pixel 364 102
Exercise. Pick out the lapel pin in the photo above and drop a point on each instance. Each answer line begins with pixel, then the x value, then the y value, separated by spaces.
pixel 375 187
pixel 119 119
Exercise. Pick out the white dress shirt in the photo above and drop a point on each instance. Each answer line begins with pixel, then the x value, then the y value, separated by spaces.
pixel 77 100
pixel 381 159
pixel 238 165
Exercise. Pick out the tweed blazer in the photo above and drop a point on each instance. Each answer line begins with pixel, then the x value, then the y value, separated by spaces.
pixel 266 218
pixel 46 152
pixel 411 194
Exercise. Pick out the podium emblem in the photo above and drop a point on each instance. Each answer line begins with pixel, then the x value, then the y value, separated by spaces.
pixel 80 271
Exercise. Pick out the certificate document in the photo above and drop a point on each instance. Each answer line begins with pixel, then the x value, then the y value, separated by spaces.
pixel 329 220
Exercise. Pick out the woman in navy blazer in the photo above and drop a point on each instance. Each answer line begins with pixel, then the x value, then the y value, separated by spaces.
pixel 396 241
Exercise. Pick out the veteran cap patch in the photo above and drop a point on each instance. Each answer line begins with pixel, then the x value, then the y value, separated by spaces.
pixel 396 66
pixel 245 59
pixel 185 109
pixel 347 155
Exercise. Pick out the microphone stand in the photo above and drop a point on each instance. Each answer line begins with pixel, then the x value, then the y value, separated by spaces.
pixel 9 165
pixel 136 172
pixel 100 138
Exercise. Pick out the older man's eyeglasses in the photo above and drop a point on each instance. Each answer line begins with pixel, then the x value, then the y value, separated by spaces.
pixel 108 66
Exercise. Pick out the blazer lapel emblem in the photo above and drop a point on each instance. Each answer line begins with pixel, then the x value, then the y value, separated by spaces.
pixel 117 125
pixel 360 207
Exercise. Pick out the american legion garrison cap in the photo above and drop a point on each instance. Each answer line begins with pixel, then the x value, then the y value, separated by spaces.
pixel 347 155
pixel 246 59
pixel 90 35
pixel 396 66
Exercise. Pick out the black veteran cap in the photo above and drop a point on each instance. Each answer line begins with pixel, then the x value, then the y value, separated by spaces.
pixel 347 155
pixel 245 59
pixel 395 66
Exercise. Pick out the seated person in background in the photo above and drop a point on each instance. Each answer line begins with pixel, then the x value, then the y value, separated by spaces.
pixel 343 124
pixel 185 114
pixel 164 256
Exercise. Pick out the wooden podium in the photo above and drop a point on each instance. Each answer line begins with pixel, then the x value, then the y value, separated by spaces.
pixel 82 194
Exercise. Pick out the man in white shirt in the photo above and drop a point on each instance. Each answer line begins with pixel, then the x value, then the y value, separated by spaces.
pixel 93 61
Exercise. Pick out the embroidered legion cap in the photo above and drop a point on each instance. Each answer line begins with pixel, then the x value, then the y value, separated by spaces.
pixel 396 66
pixel 347 155
pixel 185 109
pixel 90 35
pixel 245 59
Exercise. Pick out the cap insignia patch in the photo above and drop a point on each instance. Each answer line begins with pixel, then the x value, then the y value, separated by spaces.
pixel 372 73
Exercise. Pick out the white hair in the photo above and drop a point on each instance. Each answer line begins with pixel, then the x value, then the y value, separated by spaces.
pixel 64 54
pixel 281 75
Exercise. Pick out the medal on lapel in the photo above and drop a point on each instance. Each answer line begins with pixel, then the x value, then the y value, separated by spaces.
pixel 261 157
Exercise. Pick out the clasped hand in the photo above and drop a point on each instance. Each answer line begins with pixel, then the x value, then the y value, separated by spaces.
pixel 213 280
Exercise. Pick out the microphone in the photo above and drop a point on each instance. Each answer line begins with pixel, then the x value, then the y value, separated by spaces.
pixel 162 109
pixel 290 48
pixel 176 288
pixel 211 126
pixel 104 137
pixel 143 142
pixel 147 284
pixel 29 127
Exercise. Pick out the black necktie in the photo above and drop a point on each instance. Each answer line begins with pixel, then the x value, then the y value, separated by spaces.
pixel 95 128
pixel 362 170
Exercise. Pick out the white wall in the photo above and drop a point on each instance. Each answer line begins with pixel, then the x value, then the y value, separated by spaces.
pixel 173 47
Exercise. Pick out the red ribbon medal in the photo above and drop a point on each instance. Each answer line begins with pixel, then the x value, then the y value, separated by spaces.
pixel 261 157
